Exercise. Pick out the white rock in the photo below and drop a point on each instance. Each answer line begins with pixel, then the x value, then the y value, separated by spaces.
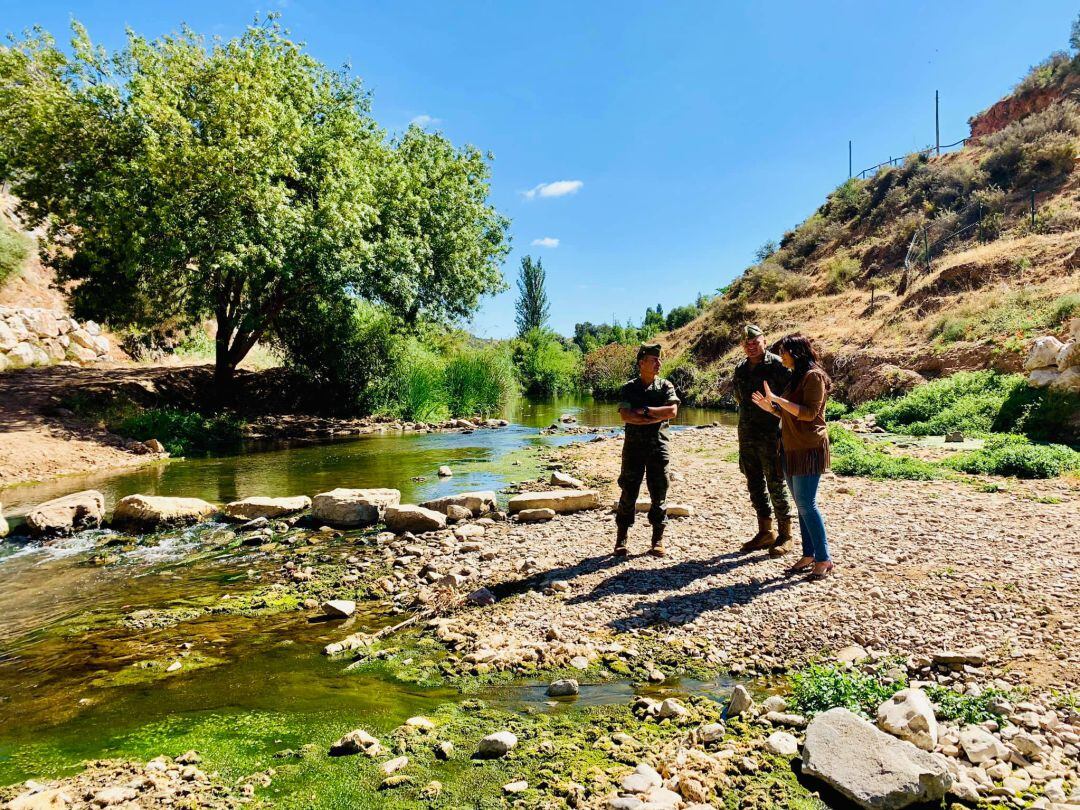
pixel 740 701
pixel 258 506
pixel 852 653
pixel 672 708
pixel 909 715
pixel 563 687
pixel 535 515
pixel 1069 356
pixel 1068 380
pixel 641 779
pixel 981 746
pixel 356 742
pixel 409 518
pixel 782 744
pixel 394 765
pixel 498 744
pixel 477 502
pixel 348 508
pixel 71 513
pixel 151 511
pixel 870 767
pixel 561 479
pixel 519 786
pixel 339 608
pixel 445 472
pixel 420 722
pixel 1043 353
pixel 561 500
pixel 676 510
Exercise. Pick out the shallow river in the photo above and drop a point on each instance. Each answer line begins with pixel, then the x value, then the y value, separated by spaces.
pixel 71 687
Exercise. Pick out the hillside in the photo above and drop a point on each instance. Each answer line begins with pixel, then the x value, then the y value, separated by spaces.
pixel 924 268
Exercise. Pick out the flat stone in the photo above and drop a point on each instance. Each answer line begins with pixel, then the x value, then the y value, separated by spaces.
pixel 260 507
pixel 851 654
pixel 870 767
pixel 152 511
pixel 339 608
pixel 393 765
pixel 677 510
pixel 409 518
pixel 643 778
pixel 477 503
pixel 350 508
pixel 563 687
pixel 561 479
pixel 909 715
pixel 782 744
pixel 109 796
pixel 980 745
pixel 516 787
pixel 535 515
pixel 561 501
pixel 71 513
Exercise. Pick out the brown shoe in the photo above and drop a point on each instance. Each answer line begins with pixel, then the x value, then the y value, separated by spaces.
pixel 658 549
pixel 783 538
pixel 763 539
pixel 620 542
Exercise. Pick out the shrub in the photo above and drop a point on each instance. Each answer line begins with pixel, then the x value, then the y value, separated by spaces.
pixel 608 368
pixel 14 248
pixel 966 709
pixel 850 199
pixel 840 271
pixel 1014 455
pixel 770 281
pixel 1037 148
pixel 478 381
pixel 183 433
pixel 1064 308
pixel 820 687
pixel 834 409
pixel 544 366
pixel 854 456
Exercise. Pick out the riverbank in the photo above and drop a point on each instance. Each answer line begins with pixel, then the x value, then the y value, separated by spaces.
pixel 926 570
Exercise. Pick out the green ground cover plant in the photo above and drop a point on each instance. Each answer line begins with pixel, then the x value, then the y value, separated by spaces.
pixel 819 687
pixel 1009 454
pixel 852 455
pixel 967 709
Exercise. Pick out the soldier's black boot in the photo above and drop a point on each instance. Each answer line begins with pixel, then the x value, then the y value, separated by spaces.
pixel 764 537
pixel 783 538
pixel 658 549
pixel 620 541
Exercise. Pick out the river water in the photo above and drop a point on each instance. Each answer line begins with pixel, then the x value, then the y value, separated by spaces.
pixel 71 683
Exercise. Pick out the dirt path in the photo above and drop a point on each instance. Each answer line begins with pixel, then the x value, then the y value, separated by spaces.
pixel 921 567
pixel 39 440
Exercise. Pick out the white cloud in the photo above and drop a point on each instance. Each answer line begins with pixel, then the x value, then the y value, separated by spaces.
pixel 547 241
pixel 560 188
pixel 424 120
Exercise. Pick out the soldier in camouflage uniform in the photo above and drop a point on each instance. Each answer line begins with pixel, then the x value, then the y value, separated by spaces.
pixel 759 437
pixel 646 403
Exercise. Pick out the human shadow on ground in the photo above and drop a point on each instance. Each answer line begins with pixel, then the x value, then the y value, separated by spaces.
pixel 539 579
pixel 675 577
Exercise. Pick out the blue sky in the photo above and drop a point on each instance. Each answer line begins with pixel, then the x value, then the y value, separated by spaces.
pixel 679 136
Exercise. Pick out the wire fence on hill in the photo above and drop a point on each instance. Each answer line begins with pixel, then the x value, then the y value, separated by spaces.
pixel 898 161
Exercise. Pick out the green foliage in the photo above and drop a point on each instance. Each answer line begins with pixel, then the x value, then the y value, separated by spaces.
pixel 854 456
pixel 608 368
pixel 681 316
pixel 532 305
pixel 1064 308
pixel 14 248
pixel 767 249
pixel 184 433
pixel 965 709
pixel 1038 148
pixel 820 687
pixel 478 380
pixel 544 365
pixel 770 281
pixel 849 200
pixel 1009 454
pixel 840 271
pixel 835 409
pixel 264 184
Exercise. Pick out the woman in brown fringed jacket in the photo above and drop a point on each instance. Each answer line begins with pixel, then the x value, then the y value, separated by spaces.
pixel 804 445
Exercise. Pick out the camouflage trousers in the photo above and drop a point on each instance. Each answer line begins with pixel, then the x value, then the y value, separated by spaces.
pixel 643 458
pixel 759 463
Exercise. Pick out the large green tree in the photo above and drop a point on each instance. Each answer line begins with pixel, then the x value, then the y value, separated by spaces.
pixel 180 180
pixel 532 305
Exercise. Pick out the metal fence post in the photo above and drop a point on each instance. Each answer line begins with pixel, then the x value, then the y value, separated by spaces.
pixel 1033 206
pixel 849 160
pixel 937 125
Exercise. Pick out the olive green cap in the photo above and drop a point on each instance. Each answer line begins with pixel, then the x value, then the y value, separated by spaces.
pixel 750 331
pixel 648 348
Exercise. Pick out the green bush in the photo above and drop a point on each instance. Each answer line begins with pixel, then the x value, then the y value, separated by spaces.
pixel 769 281
pixel 854 456
pixel 1035 149
pixel 835 409
pixel 14 248
pixel 1009 454
pixel 544 365
pixel 184 433
pixel 1064 308
pixel 478 381
pixel 966 709
pixel 820 687
pixel 840 271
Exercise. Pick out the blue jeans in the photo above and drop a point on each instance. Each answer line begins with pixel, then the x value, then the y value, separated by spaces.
pixel 811 525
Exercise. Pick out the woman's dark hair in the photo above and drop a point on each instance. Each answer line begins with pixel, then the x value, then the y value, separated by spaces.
pixel 805 356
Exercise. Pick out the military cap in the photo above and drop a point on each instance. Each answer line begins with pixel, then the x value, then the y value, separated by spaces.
pixel 751 331
pixel 648 348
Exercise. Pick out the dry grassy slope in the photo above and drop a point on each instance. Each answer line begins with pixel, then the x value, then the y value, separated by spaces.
pixel 985 288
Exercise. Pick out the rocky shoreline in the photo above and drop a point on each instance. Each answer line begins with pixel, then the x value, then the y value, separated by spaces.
pixel 940 586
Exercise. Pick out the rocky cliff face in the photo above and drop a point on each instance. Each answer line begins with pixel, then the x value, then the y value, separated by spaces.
pixel 1020 105
pixel 32 336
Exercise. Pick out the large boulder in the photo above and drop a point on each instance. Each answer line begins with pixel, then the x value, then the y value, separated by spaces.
pixel 1068 381
pixel 476 502
pixel 81 510
pixel 353 507
pixel 417 519
pixel 909 715
pixel 258 506
pixel 1069 356
pixel 560 500
pixel 153 511
pixel 870 767
pixel 1043 353
pixel 881 381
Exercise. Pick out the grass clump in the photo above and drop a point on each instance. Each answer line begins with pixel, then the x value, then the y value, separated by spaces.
pixel 967 709
pixel 853 456
pixel 820 687
pixel 608 368
pixel 1009 454
pixel 14 248
pixel 184 433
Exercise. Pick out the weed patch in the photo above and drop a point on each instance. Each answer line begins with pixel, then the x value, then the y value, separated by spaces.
pixel 820 687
